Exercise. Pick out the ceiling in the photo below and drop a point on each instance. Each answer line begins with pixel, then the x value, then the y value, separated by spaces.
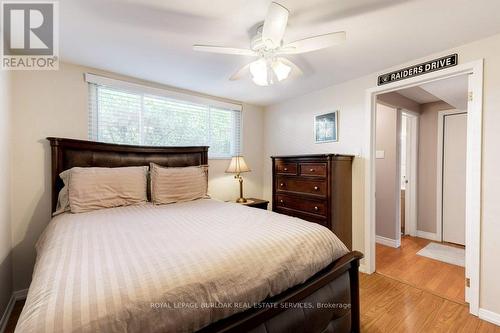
pixel 418 95
pixel 151 39
pixel 452 91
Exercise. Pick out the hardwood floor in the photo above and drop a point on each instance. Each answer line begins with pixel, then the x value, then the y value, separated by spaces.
pixel 388 305
pixel 434 276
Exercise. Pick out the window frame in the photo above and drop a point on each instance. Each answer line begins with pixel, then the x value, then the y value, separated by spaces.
pixel 135 88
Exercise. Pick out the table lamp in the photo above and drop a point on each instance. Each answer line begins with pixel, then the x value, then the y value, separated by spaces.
pixel 237 166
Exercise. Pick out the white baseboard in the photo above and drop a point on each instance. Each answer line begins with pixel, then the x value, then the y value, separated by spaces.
pixel 428 235
pixel 490 316
pixel 16 296
pixel 362 268
pixel 388 241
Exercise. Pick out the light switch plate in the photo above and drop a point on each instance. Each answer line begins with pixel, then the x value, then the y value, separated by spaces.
pixel 380 154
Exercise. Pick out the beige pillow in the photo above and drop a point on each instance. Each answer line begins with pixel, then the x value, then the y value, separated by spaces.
pixel 63 197
pixel 96 188
pixel 169 185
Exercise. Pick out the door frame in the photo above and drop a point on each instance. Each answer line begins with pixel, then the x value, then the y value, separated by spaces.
pixel 473 183
pixel 412 128
pixel 439 171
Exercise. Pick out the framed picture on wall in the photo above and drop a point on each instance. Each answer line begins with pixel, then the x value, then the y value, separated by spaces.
pixel 326 127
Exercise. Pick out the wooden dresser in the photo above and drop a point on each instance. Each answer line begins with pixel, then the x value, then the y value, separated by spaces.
pixel 315 188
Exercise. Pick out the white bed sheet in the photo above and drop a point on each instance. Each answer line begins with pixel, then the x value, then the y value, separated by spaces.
pixel 163 268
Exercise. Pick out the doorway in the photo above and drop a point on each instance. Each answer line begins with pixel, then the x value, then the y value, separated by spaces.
pixel 473 168
pixel 422 260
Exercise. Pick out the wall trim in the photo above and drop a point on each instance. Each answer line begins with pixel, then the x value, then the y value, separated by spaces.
pixel 363 269
pixel 489 316
pixel 16 296
pixel 429 235
pixel 388 241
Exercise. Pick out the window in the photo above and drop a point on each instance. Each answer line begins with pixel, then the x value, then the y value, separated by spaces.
pixel 127 113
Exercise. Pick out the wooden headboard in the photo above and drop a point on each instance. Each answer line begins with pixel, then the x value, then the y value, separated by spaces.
pixel 69 153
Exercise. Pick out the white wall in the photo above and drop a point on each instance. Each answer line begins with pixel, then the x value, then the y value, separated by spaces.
pixel 5 231
pixel 289 129
pixel 54 103
pixel 387 173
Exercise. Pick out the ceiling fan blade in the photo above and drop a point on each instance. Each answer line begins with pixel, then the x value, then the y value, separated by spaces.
pixel 274 25
pixel 295 69
pixel 224 50
pixel 314 43
pixel 243 71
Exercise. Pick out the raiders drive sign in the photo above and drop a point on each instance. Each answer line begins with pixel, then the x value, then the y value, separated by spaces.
pixel 426 67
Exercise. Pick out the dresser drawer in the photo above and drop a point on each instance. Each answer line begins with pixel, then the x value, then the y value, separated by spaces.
pixel 302 215
pixel 300 185
pixel 286 168
pixel 313 169
pixel 301 204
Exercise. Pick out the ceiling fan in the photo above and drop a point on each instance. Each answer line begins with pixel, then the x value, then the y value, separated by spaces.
pixel 267 44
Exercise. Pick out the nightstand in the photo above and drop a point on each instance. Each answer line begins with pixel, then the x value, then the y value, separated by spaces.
pixel 257 203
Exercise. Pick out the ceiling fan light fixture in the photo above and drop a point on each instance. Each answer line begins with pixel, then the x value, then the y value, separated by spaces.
pixel 266 72
pixel 281 70
pixel 259 72
pixel 267 44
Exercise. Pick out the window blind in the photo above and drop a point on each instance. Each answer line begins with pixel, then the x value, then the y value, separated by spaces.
pixel 131 114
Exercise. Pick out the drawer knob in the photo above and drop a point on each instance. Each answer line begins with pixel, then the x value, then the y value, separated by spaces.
pixel 281 201
pixel 285 169
pixel 316 188
pixel 282 184
pixel 316 208
pixel 311 170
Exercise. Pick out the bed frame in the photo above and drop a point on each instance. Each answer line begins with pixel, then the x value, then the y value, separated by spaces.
pixel 327 302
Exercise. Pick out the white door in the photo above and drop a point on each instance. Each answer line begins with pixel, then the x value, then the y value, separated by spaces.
pixel 454 161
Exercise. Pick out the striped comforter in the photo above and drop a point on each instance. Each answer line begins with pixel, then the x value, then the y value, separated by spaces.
pixel 170 268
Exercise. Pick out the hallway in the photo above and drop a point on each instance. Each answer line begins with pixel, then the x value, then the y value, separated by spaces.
pixel 436 277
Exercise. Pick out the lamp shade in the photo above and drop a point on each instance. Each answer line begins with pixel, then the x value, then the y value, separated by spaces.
pixel 237 165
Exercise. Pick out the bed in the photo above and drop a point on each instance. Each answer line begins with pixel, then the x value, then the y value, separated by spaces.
pixel 204 265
